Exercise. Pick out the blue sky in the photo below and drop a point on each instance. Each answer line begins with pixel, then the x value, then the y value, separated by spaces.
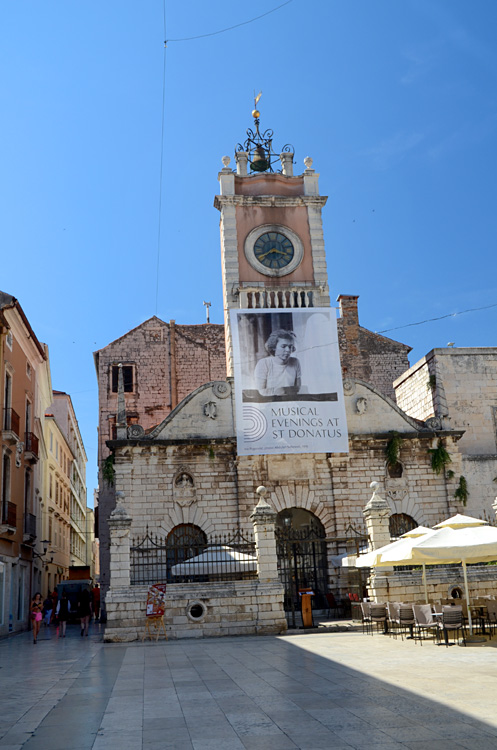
pixel 394 100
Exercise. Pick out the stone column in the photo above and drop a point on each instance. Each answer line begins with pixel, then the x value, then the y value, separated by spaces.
pixel 119 528
pixel 263 517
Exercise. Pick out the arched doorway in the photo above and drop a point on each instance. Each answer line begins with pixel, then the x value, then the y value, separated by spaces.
pixel 184 541
pixel 302 556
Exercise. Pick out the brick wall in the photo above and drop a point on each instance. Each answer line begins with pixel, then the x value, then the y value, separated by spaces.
pixel 366 355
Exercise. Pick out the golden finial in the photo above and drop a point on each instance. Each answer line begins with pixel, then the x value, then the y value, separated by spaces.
pixel 255 112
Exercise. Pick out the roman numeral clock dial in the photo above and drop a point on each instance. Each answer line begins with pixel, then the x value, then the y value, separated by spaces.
pixel 273 250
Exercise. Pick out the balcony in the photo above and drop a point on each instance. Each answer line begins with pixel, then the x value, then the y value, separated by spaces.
pixel 9 518
pixel 10 426
pixel 31 447
pixel 277 298
pixel 29 528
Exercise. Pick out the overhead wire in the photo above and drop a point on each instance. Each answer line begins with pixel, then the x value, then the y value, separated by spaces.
pixel 440 317
pixel 161 169
pixel 229 28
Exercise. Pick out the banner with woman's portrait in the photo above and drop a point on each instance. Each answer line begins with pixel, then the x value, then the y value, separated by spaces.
pixel 288 382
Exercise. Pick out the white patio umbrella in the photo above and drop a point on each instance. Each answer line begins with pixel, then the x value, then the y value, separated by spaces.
pixel 394 552
pixel 216 559
pixel 454 542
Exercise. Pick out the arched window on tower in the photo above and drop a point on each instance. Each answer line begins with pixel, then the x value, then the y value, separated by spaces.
pixel 401 523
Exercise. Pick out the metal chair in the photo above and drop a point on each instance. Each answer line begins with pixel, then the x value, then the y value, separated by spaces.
pixel 423 617
pixel 406 620
pixel 366 617
pixel 393 617
pixel 379 615
pixel 332 603
pixel 452 620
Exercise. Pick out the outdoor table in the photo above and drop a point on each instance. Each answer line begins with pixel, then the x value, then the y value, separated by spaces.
pixel 480 611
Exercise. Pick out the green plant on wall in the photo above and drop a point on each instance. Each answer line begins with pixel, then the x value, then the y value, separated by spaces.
pixel 431 383
pixel 462 492
pixel 108 471
pixel 392 449
pixel 440 457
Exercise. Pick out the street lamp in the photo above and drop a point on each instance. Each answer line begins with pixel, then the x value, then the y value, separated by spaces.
pixel 46 544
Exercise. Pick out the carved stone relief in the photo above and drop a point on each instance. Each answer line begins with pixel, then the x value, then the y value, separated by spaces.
pixel 210 409
pixel 184 488
pixel 396 489
pixel 221 390
pixel 135 431
pixel 348 387
pixel 361 405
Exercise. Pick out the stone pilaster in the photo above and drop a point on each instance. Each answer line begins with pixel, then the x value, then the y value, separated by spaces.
pixel 263 517
pixel 377 516
pixel 119 528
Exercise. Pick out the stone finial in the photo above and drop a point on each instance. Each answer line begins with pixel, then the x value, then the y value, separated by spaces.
pixel 263 510
pixel 226 161
pixel 377 502
pixel 286 159
pixel 120 514
pixel 308 162
pixel 241 163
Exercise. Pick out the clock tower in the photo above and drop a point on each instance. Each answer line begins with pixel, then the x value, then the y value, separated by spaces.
pixel 272 246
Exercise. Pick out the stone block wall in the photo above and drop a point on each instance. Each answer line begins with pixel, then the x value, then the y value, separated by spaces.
pixel 237 608
pixel 414 390
pixel 407 585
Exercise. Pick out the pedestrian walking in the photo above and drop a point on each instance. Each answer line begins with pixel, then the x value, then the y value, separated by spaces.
pixel 47 610
pixel 62 614
pixel 84 610
pixel 36 614
pixel 96 601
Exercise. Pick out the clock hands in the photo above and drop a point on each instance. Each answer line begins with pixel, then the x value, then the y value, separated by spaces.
pixel 273 250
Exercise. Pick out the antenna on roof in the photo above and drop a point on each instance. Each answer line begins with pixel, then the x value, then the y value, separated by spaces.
pixel 207 305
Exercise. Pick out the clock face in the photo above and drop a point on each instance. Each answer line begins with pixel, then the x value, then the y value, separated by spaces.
pixel 274 250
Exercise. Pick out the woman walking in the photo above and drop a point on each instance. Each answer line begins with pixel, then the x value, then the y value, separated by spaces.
pixel 36 614
pixel 62 613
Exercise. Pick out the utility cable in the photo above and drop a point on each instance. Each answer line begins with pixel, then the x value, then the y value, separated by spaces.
pixel 441 317
pixel 161 170
pixel 229 28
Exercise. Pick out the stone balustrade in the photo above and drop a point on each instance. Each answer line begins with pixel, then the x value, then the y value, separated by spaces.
pixel 280 297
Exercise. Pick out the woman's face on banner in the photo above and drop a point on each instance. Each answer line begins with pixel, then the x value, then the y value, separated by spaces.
pixel 284 350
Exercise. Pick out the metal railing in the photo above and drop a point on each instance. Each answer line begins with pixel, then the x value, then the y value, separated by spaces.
pixel 195 558
pixel 11 420
pixel 31 443
pixel 30 525
pixel 9 514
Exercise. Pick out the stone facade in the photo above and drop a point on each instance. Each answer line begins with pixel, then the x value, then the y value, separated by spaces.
pixel 458 387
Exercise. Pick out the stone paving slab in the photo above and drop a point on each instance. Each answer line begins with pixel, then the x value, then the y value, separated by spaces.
pixel 334 689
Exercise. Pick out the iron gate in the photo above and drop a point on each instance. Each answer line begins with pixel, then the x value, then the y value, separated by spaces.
pixel 303 563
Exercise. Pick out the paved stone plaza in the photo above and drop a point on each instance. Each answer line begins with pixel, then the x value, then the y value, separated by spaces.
pixel 332 690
